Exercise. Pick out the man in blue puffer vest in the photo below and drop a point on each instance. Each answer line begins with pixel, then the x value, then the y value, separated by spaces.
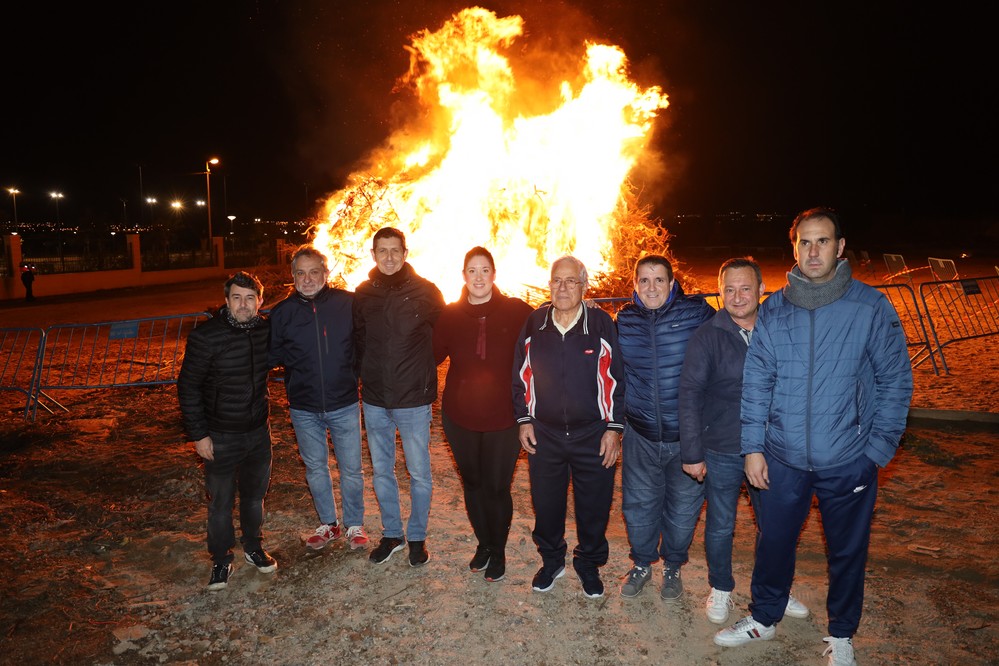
pixel 660 502
pixel 826 391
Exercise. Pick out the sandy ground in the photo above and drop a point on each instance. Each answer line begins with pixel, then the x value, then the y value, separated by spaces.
pixel 103 515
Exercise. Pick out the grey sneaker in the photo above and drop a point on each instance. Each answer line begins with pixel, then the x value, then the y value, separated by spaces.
pixel 672 585
pixel 637 578
pixel 839 651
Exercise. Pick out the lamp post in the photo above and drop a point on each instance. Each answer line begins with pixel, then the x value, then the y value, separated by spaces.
pixel 152 202
pixel 62 245
pixel 13 195
pixel 208 195
pixel 56 196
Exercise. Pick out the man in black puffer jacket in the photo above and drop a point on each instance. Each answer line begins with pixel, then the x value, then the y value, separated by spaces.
pixel 222 391
pixel 394 314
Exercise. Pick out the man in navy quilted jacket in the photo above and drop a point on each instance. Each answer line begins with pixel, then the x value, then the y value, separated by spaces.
pixel 660 501
pixel 826 391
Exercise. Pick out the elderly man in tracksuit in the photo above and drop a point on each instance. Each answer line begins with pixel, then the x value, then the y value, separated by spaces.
pixel 568 399
pixel 826 391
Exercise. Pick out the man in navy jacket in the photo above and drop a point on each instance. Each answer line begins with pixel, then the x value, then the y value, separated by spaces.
pixel 826 391
pixel 568 399
pixel 312 336
pixel 660 502
pixel 710 431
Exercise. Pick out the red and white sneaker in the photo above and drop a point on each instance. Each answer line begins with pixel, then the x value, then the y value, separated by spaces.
pixel 324 534
pixel 356 537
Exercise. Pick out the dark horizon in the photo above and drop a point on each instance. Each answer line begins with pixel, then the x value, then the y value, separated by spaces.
pixel 881 112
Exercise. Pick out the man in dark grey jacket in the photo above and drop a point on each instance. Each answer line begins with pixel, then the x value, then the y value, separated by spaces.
pixel 710 432
pixel 222 391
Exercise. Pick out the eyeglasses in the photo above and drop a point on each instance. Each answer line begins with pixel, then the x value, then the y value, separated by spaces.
pixel 570 283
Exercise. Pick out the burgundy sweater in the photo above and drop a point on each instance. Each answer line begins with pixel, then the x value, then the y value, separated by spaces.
pixel 480 340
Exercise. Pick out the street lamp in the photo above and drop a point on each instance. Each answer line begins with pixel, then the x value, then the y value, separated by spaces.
pixel 56 196
pixel 13 195
pixel 208 193
pixel 151 201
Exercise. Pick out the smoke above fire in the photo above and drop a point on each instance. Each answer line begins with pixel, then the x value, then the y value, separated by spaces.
pixel 500 155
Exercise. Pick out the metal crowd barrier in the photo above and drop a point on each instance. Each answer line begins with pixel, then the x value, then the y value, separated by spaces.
pixel 136 352
pixel 961 309
pixel 20 356
pixel 903 299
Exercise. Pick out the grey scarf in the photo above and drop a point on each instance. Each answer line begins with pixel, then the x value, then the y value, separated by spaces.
pixel 811 296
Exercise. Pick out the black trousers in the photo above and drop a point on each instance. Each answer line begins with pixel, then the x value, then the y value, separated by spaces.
pixel 561 456
pixel 242 462
pixel 486 462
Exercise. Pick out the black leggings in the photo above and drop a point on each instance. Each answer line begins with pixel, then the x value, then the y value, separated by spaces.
pixel 486 462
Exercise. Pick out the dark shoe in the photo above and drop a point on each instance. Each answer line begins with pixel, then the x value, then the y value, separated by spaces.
pixel 637 578
pixel 545 579
pixel 220 576
pixel 386 547
pixel 479 560
pixel 672 588
pixel 260 559
pixel 496 570
pixel 418 555
pixel 593 587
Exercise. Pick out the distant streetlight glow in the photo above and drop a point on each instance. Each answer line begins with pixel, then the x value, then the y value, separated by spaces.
pixel 13 195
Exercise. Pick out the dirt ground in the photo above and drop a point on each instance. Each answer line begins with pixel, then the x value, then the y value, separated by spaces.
pixel 103 516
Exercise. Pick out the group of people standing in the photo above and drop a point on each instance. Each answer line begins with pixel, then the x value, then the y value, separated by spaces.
pixel 803 396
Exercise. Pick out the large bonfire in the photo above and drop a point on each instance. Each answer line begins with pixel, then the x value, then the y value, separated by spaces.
pixel 478 168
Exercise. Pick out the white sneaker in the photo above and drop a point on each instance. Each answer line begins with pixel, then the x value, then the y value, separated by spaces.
pixel 746 630
pixel 356 537
pixel 718 605
pixel 840 651
pixel 795 608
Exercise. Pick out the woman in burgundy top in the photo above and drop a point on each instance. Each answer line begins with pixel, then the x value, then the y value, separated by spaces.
pixel 478 332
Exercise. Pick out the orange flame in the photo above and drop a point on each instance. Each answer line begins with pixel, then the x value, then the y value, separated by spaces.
pixel 528 187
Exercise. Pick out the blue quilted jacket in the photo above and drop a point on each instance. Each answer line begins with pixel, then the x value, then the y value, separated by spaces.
pixel 822 387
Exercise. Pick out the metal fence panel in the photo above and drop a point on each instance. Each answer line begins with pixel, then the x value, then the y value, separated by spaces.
pixel 903 299
pixel 20 352
pixel 136 352
pixel 961 309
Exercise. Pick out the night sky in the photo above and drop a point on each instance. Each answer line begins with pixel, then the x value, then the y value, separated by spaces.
pixel 880 109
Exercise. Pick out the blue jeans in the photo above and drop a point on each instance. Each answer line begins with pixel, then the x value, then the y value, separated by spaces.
pixel 722 485
pixel 660 502
pixel 413 424
pixel 242 460
pixel 344 426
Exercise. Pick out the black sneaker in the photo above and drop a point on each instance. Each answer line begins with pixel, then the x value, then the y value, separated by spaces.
pixel 593 587
pixel 479 560
pixel 496 570
pixel 386 547
pixel 418 555
pixel 260 559
pixel 220 576
pixel 545 579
